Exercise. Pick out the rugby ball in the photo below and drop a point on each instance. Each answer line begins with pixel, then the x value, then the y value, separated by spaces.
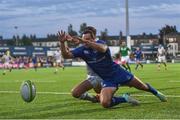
pixel 28 91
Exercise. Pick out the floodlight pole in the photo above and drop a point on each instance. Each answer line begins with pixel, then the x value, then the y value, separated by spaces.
pixel 16 36
pixel 128 38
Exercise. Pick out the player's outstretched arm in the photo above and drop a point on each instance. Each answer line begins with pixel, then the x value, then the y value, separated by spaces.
pixel 97 46
pixel 64 49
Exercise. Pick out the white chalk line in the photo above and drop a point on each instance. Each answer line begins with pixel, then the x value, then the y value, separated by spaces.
pixel 19 81
pixel 174 81
pixel 67 93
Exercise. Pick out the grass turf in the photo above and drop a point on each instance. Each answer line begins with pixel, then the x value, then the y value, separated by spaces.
pixel 50 104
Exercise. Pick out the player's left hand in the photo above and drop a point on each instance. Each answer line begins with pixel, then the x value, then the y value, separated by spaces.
pixel 62 36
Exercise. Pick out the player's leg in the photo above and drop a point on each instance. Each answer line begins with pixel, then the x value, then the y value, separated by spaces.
pixel 165 65
pixel 137 83
pixel 96 83
pixel 10 66
pixel 6 67
pixel 127 63
pixel 159 63
pixel 141 64
pixel 123 62
pixel 80 91
pixel 137 64
pixel 164 62
pixel 56 67
pixel 4 71
pixel 125 66
pixel 62 65
pixel 35 66
pixel 107 99
pixel 158 66
pixel 128 66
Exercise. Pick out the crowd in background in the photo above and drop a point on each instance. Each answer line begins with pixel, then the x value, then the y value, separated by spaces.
pixel 24 62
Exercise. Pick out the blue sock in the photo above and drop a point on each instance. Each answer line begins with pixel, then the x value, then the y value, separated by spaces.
pixel 151 89
pixel 117 100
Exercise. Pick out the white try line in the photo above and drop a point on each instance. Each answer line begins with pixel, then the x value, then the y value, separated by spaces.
pixel 51 93
pixel 19 81
pixel 174 81
pixel 67 93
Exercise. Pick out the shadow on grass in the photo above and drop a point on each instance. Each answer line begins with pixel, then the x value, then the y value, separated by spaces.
pixel 65 110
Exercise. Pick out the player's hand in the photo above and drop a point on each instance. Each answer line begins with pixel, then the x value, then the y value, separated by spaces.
pixel 62 36
pixel 69 38
pixel 77 40
pixel 81 40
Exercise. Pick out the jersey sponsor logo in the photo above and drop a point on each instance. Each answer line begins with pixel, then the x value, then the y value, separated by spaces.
pixel 104 85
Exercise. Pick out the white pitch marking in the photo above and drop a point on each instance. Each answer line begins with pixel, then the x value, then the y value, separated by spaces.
pixel 52 93
pixel 36 81
pixel 174 81
pixel 67 93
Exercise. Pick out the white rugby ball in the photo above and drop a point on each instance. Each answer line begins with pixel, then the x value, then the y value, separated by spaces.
pixel 28 91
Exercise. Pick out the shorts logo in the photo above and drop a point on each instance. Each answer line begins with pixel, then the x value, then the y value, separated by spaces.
pixel 86 52
pixel 128 77
pixel 104 85
pixel 95 51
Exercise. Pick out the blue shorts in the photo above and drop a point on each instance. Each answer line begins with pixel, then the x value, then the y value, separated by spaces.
pixel 116 84
pixel 138 59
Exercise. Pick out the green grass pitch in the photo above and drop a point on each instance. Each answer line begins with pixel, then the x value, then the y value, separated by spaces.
pixel 54 100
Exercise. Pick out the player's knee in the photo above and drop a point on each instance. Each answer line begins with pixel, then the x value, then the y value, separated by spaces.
pixel 105 103
pixel 75 93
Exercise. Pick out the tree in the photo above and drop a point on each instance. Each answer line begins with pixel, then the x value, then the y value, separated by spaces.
pixel 33 37
pixel 10 42
pixel 71 31
pixel 164 31
pixel 1 37
pixel 82 28
pixel 26 41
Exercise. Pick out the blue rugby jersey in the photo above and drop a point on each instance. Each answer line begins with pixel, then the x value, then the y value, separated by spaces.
pixel 138 54
pixel 102 64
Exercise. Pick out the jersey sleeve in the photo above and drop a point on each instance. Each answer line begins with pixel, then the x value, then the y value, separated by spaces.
pixel 78 52
pixel 101 42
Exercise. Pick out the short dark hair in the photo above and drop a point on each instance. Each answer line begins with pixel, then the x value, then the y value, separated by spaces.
pixel 91 29
pixel 89 32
